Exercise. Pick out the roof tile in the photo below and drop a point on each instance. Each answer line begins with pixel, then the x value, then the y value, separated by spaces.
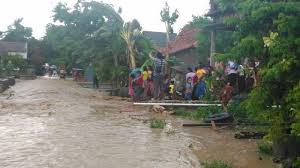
pixel 186 39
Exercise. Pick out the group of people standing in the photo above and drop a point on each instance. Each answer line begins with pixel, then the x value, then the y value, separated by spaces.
pixel 195 87
pixel 152 82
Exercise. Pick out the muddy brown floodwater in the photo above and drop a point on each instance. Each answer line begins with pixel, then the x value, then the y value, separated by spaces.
pixel 53 123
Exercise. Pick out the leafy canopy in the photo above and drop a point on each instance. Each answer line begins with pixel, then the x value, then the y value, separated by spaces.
pixel 17 32
pixel 269 32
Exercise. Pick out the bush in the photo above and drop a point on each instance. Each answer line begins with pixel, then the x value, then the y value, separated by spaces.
pixel 265 147
pixel 209 110
pixel 200 113
pixel 237 109
pixel 9 63
pixel 157 123
pixel 296 162
pixel 216 164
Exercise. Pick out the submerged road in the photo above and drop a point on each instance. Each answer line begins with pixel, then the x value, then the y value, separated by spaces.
pixel 55 123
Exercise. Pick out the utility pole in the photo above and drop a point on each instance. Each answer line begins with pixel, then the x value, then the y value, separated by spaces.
pixel 212 47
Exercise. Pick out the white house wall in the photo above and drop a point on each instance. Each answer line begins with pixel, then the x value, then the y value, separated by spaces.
pixel 23 55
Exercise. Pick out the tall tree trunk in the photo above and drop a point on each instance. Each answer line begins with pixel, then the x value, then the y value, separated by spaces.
pixel 132 57
pixel 167 39
pixel 116 60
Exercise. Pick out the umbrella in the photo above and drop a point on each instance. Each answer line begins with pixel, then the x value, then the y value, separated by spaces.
pixel 53 67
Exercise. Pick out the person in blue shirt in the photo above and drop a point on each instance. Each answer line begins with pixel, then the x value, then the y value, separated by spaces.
pixel 199 90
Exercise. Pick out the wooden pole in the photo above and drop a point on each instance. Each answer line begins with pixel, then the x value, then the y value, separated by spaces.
pixel 212 47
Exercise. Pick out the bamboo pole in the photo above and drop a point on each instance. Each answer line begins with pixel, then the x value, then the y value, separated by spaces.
pixel 212 47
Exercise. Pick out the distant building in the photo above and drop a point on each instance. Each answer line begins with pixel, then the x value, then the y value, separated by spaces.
pixel 159 39
pixel 14 48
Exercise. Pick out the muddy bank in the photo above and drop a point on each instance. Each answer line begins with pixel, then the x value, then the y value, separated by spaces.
pixel 56 123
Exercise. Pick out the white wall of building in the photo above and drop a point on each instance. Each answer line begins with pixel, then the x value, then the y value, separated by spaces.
pixel 23 55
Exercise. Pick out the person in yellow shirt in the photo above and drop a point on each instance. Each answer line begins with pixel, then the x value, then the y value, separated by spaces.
pixel 145 81
pixel 145 74
pixel 200 73
pixel 171 89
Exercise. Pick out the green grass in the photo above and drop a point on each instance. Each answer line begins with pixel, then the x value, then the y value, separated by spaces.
pixel 265 147
pixel 197 114
pixel 296 162
pixel 157 123
pixel 216 164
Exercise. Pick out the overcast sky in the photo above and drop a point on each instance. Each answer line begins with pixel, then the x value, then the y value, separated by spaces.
pixel 38 13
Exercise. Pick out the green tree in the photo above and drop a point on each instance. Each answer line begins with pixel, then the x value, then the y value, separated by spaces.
pixel 268 31
pixel 169 19
pixel 11 63
pixel 203 36
pixel 224 40
pixel 88 33
pixel 17 32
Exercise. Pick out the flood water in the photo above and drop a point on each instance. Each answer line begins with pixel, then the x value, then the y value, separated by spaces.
pixel 56 123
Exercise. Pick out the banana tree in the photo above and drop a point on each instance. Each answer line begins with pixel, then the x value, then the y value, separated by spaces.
pixel 130 31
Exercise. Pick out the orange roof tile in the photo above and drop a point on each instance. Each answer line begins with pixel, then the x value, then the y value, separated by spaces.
pixel 186 39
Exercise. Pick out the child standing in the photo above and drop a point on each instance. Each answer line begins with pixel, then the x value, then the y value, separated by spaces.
pixel 171 89
pixel 145 81
pixel 188 89
pixel 226 95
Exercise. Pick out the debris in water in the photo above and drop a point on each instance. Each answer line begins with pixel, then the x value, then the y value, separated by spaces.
pixel 158 109
pixel 169 129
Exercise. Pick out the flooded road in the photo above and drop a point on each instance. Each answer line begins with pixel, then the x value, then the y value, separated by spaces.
pixel 52 123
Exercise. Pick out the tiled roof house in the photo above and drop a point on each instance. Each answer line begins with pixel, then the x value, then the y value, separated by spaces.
pixel 184 47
